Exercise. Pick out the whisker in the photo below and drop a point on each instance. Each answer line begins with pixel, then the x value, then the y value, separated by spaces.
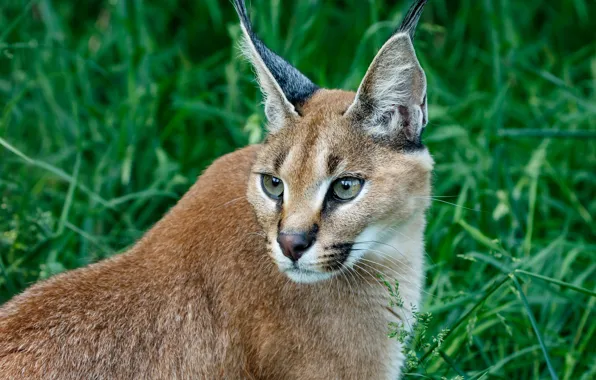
pixel 406 236
pixel 449 203
pixel 391 269
pixel 261 234
pixel 390 258
pixel 381 285
pixel 394 261
pixel 230 201
pixel 370 274
pixel 397 273
pixel 337 285
pixel 437 196
pixel 355 271
pixel 348 280
pixel 381 243
pixel 393 229
pixel 368 299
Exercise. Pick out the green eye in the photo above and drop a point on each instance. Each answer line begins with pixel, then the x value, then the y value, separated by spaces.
pixel 347 188
pixel 272 186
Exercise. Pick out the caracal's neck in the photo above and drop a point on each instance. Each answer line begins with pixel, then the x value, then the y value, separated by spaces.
pixel 397 253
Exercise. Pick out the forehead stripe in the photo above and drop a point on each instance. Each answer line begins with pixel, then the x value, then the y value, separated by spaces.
pixel 280 157
pixel 332 163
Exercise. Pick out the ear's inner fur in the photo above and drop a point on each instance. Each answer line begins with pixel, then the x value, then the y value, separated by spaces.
pixel 391 101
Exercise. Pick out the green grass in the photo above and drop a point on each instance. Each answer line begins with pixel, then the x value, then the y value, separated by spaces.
pixel 110 109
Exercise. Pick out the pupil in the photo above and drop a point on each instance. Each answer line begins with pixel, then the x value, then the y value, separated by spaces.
pixel 345 185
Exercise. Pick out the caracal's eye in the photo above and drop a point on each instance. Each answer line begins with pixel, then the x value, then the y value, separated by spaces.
pixel 347 188
pixel 272 186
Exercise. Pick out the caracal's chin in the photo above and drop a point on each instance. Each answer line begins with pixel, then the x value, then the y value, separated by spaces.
pixel 303 276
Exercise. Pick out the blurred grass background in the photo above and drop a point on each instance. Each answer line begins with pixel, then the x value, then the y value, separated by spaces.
pixel 109 110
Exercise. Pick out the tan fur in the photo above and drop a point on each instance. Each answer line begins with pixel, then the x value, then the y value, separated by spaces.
pixel 209 293
pixel 198 297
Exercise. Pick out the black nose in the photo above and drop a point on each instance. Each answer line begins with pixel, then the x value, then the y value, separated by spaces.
pixel 294 245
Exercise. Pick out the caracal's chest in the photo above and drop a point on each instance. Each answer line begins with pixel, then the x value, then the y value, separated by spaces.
pixel 336 340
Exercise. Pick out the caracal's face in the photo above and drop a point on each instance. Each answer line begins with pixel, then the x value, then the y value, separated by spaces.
pixel 321 187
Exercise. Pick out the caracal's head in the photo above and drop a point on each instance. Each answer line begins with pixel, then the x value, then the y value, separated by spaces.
pixel 338 166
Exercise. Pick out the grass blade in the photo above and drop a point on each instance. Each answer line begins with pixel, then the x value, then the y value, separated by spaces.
pixel 526 304
pixel 461 320
pixel 547 133
pixel 479 236
pixel 56 171
pixel 452 364
pixel 558 282
pixel 69 195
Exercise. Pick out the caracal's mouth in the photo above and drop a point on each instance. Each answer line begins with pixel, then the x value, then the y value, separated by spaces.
pixel 318 263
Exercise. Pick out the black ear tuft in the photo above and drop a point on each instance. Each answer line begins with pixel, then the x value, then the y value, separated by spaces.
pixel 295 86
pixel 240 8
pixel 409 23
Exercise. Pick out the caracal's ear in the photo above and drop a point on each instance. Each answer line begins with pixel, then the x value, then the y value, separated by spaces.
pixel 283 86
pixel 391 100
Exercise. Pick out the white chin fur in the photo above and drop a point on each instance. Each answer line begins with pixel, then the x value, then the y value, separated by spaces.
pixel 307 277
